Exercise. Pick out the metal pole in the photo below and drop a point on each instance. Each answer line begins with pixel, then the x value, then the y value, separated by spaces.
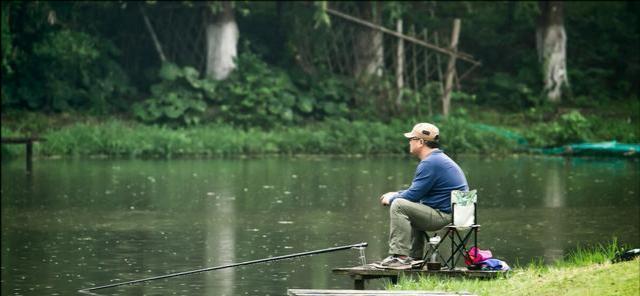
pixel 360 245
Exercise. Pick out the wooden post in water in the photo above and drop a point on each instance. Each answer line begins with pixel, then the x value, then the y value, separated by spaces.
pixel 451 67
pixel 29 156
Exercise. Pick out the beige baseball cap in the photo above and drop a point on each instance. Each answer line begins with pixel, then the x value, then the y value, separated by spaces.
pixel 425 131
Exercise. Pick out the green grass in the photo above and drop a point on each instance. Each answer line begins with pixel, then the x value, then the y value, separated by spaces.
pixel 585 271
pixel 117 137
pixel 477 131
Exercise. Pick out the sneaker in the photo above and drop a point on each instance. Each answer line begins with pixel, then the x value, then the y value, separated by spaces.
pixel 396 262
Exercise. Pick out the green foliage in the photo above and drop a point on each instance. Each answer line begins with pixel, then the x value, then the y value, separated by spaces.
pixel 330 95
pixel 338 136
pixel 9 151
pixel 603 40
pixel 177 99
pixel 459 135
pixel 58 68
pixel 506 91
pixel 373 98
pixel 74 75
pixel 256 94
pixel 69 56
pixel 426 100
pixel 571 127
pixel 6 40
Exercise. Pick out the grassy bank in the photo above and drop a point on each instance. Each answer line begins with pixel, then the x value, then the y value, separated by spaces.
pixel 585 272
pixel 116 137
pixel 466 131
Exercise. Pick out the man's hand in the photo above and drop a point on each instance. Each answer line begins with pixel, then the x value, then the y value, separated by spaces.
pixel 385 198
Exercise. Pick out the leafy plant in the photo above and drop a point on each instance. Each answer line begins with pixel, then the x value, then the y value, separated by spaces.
pixel 256 94
pixel 178 98
pixel 506 91
pixel 571 127
pixel 68 70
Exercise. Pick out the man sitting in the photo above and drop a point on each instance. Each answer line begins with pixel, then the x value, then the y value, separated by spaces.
pixel 426 204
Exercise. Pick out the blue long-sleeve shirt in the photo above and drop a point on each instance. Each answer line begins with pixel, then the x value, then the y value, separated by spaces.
pixel 435 178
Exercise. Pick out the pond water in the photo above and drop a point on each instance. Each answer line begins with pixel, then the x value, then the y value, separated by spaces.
pixel 77 224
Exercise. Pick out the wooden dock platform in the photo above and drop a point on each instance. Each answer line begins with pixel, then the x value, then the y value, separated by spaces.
pixel 308 292
pixel 360 274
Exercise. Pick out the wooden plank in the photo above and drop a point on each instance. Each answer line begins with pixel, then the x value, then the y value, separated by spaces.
pixel 375 272
pixel 20 140
pixel 28 141
pixel 310 292
pixel 458 54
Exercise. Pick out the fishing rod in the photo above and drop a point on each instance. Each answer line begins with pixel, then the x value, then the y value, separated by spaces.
pixel 328 250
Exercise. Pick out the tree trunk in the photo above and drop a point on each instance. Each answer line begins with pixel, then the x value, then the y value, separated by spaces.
pixel 551 42
pixel 369 50
pixel 451 68
pixel 222 41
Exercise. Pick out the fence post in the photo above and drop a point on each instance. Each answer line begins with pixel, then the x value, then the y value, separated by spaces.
pixel 399 64
pixel 427 75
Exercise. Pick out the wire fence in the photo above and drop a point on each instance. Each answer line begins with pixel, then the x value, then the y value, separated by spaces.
pixel 345 48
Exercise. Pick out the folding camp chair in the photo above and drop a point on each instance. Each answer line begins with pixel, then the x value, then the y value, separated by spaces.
pixel 459 231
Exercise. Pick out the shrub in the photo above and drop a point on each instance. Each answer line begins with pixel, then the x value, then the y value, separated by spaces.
pixel 177 99
pixel 570 127
pixel 68 70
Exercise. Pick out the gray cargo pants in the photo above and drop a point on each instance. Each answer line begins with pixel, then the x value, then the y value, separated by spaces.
pixel 408 221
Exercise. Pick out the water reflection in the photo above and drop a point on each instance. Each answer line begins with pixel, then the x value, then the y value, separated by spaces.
pixel 554 198
pixel 82 223
pixel 220 243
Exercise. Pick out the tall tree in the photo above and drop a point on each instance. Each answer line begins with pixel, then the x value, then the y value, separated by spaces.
pixel 368 46
pixel 551 43
pixel 222 41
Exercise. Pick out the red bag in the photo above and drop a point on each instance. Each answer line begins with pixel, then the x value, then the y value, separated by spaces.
pixel 476 256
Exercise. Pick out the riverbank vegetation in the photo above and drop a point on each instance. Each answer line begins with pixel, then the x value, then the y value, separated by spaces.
pixel 583 272
pixel 122 79
pixel 77 135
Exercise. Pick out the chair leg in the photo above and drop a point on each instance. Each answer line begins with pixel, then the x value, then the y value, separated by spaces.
pixel 453 253
pixel 459 245
pixel 475 237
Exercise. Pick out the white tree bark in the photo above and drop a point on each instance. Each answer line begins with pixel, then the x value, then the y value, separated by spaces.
pixel 222 42
pixel 551 42
pixel 554 62
pixel 369 49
